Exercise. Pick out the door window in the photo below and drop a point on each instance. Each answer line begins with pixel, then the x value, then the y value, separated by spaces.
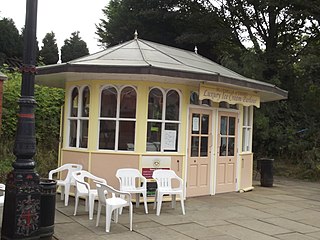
pixel 227 135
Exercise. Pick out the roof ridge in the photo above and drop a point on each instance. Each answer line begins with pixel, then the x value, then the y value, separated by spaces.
pixel 116 47
pixel 187 51
pixel 141 52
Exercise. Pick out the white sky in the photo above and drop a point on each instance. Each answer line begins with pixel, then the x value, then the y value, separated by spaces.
pixel 63 17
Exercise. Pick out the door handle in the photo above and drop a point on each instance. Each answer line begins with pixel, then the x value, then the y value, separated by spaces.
pixel 194 161
pixel 230 160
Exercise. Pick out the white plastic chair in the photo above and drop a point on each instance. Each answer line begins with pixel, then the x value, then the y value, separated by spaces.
pixel 112 204
pixel 2 188
pixel 128 178
pixel 67 181
pixel 164 186
pixel 83 189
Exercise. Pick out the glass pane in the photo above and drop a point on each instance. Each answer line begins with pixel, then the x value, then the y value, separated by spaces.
pixel 84 124
pixel 195 123
pixel 109 102
pixel 194 146
pixel 73 133
pixel 155 104
pixel 223 146
pixel 231 146
pixel 107 135
pixel 153 137
pixel 128 103
pixel 244 138
pixel 204 147
pixel 126 135
pixel 194 98
pixel 232 126
pixel 74 103
pixel 223 125
pixel 85 102
pixel 172 105
pixel 245 116
pixel 205 124
pixel 171 137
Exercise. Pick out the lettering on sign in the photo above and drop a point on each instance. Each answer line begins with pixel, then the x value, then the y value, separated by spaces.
pixel 230 96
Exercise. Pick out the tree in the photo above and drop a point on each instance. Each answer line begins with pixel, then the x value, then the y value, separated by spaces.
pixel 49 52
pixel 10 40
pixel 73 48
pixel 179 23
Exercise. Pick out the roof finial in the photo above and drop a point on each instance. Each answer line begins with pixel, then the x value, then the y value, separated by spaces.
pixel 195 50
pixel 136 34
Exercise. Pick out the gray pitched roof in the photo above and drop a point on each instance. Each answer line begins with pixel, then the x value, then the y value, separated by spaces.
pixel 144 57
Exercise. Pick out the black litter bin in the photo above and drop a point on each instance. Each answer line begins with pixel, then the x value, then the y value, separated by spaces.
pixel 265 167
pixel 47 208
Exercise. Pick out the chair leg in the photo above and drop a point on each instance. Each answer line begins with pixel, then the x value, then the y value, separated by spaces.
pixel 145 202
pixel 87 204
pixel 182 204
pixel 91 206
pixel 160 196
pixel 76 205
pixel 66 194
pixel 173 202
pixel 130 215
pixel 62 190
pixel 98 215
pixel 116 215
pixel 155 200
pixel 137 199
pixel 120 212
pixel 108 217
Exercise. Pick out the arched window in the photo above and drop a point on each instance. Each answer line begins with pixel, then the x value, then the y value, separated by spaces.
pixel 79 117
pixel 117 118
pixel 163 120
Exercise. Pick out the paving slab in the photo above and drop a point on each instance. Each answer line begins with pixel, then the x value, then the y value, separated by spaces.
pixel 292 225
pixel 288 210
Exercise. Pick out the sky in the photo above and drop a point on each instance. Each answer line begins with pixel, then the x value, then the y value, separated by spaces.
pixel 62 17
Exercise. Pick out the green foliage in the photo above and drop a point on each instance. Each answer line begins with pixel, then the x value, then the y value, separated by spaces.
pixel 73 48
pixel 49 102
pixel 10 40
pixel 179 23
pixel 49 52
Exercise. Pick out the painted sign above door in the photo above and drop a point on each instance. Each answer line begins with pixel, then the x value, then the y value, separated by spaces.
pixel 231 96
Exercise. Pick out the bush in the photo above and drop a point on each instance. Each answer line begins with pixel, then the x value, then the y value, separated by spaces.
pixel 47 114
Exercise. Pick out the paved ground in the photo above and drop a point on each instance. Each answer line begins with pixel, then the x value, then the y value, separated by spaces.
pixel 289 210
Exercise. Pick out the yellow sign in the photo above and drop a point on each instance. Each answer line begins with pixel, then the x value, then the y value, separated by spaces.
pixel 231 96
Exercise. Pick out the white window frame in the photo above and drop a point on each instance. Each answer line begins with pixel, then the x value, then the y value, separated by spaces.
pixel 163 120
pixel 247 129
pixel 117 119
pixel 78 118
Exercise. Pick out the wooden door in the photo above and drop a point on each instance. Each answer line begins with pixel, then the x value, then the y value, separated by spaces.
pixel 227 152
pixel 199 152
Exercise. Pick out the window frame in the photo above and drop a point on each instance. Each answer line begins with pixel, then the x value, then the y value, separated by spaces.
pixel 79 118
pixel 117 118
pixel 247 129
pixel 163 120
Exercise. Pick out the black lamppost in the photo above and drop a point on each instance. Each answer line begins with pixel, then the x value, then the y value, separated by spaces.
pixel 21 214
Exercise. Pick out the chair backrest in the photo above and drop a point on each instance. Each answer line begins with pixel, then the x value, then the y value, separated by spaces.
pixel 2 188
pixel 70 168
pixel 82 179
pixel 105 191
pixel 164 178
pixel 127 177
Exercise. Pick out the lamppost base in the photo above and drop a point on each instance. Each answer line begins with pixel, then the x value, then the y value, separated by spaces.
pixel 21 213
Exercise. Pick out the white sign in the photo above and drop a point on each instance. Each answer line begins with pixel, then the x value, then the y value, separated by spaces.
pixel 169 142
pixel 195 124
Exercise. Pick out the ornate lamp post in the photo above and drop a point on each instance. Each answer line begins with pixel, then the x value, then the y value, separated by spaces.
pixel 21 214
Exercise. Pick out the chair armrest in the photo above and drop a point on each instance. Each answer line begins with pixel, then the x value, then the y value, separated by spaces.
pixel 144 181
